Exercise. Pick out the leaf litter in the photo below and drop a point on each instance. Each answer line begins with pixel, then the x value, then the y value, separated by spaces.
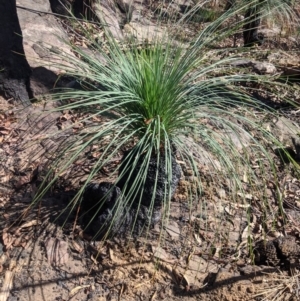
pixel 206 243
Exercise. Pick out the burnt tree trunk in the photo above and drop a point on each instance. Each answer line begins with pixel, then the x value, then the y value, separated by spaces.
pixel 14 68
pixel 252 23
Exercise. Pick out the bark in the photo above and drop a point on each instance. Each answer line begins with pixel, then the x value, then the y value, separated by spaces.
pixel 156 178
pixel 250 30
pixel 105 212
pixel 14 68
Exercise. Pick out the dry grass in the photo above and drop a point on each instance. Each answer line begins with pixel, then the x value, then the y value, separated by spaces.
pixel 282 287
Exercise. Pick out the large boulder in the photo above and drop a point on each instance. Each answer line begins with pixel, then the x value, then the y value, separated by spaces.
pixel 43 37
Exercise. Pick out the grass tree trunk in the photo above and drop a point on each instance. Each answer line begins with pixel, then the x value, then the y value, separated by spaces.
pixel 14 68
pixel 252 23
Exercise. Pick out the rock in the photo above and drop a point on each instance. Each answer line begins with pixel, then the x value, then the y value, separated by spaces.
pixel 264 68
pixel 270 33
pixel 287 64
pixel 285 130
pixel 282 58
pixel 13 298
pixel 151 181
pixel 239 139
pixel 42 81
pixel 97 56
pixel 145 31
pixel 159 253
pixel 258 67
pixel 42 35
pixel 108 14
pixel 265 253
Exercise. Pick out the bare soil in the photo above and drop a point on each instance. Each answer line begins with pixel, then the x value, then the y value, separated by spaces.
pixel 46 255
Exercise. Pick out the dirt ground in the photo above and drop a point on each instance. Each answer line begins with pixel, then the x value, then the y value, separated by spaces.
pixel 46 255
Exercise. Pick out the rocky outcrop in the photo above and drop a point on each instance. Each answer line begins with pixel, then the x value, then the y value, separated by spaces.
pixel 43 37
pixel 108 14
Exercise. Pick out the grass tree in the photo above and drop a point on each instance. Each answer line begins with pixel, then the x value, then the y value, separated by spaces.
pixel 158 104
pixel 283 11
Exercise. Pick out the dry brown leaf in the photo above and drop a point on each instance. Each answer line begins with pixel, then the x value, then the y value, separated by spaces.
pixel 76 289
pixel 180 278
pixel 159 253
pixel 198 239
pixel 4 177
pixel 3 258
pixel 76 246
pixel 23 180
pixel 6 285
pixel 8 281
pixel 4 130
pixel 57 251
pixel 30 224
pixel 229 211
pixel 7 239
pixel 114 258
pixel 173 229
pixel 18 241
pixel 94 259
